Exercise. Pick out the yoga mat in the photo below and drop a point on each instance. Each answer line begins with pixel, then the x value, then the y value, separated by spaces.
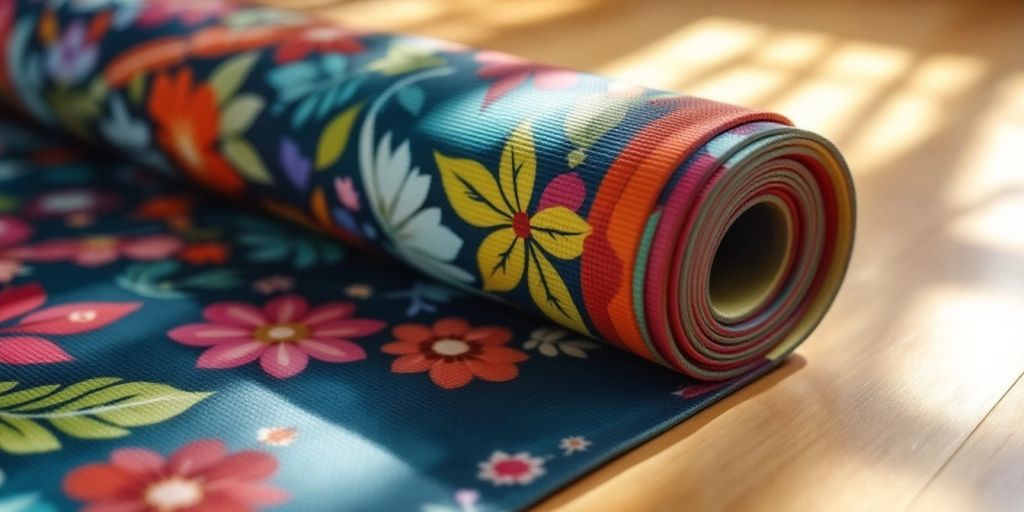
pixel 231 358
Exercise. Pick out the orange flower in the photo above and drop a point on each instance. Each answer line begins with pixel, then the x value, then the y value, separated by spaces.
pixel 204 253
pixel 454 352
pixel 189 126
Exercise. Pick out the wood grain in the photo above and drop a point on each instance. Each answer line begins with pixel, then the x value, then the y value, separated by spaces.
pixel 892 403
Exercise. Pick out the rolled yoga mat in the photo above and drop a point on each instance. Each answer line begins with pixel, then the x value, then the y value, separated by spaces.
pixel 705 237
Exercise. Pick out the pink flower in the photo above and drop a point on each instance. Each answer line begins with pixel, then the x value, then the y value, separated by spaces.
pixel 504 469
pixel 200 477
pixel 283 334
pixel 19 343
pixel 512 71
pixel 188 12
pixel 94 251
pixel 347 193
pixel 13 230
pixel 59 203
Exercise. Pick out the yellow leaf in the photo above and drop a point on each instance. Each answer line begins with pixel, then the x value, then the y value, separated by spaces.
pixel 472 191
pixel 502 258
pixel 560 231
pixel 549 292
pixel 518 168
pixel 334 138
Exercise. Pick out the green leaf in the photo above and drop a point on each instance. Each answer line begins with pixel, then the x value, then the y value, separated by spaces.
pixel 246 160
pixel 25 395
pixel 20 435
pixel 335 137
pixel 230 75
pixel 137 88
pixel 240 114
pixel 66 394
pixel 576 157
pixel 101 408
pixel 84 427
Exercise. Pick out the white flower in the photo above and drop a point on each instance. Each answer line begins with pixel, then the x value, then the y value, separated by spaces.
pixel 573 444
pixel 401 192
pixel 277 436
pixel 550 341
pixel 504 469
pixel 396 193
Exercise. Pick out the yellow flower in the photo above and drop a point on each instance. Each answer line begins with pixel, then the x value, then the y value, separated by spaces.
pixel 523 243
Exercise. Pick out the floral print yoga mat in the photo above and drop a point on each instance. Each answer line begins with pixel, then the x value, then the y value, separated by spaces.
pixel 243 255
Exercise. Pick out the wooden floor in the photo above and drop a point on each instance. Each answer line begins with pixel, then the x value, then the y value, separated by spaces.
pixel 908 397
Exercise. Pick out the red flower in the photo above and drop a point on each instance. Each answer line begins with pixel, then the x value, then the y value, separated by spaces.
pixel 165 207
pixel 320 39
pixel 454 352
pixel 200 477
pixel 204 253
pixel 189 128
pixel 20 343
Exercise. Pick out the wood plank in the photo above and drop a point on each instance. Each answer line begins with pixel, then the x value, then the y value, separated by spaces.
pixel 987 472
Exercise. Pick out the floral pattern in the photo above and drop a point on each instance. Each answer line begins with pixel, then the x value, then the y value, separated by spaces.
pixel 454 352
pixel 511 469
pixel 200 476
pixel 283 335
pixel 189 126
pixel 151 320
pixel 521 243
pixel 551 342
pixel 25 342
pixel 97 250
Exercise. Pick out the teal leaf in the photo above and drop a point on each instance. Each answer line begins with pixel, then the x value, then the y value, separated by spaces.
pixel 334 64
pixel 218 279
pixel 25 502
pixel 411 99
pixel 157 281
